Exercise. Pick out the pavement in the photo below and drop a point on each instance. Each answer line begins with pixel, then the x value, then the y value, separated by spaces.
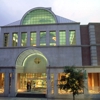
pixel 19 98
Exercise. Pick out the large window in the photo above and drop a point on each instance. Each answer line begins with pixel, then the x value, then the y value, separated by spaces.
pixel 94 83
pixel 72 37
pixel 42 38
pixel 6 39
pixel 52 38
pixel 38 16
pixel 23 39
pixel 15 39
pixel 61 91
pixel 33 39
pixel 62 37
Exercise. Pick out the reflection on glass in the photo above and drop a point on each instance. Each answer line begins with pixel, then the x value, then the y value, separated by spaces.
pixel 72 37
pixel 15 39
pixel 42 38
pixel 23 39
pixel 52 38
pixel 37 80
pixel 1 82
pixel 62 37
pixel 33 39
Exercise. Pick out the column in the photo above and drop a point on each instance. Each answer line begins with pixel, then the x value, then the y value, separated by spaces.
pixel 13 83
pixel 6 84
pixel 86 86
pixel 55 83
pixel 86 89
pixel 99 81
pixel 48 83
pixel 93 45
pixel 28 38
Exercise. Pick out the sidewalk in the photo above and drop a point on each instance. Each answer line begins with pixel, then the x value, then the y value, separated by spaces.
pixel 18 98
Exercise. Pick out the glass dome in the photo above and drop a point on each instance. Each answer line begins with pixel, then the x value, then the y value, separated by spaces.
pixel 38 16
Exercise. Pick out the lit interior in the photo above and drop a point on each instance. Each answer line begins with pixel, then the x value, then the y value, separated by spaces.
pixel 1 82
pixel 94 83
pixel 38 78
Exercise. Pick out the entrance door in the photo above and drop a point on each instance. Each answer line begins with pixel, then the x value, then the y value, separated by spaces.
pixel 32 82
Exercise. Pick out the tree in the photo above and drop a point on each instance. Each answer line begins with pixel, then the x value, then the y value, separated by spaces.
pixel 72 81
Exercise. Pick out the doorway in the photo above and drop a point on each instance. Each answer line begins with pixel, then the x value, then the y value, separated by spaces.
pixel 38 84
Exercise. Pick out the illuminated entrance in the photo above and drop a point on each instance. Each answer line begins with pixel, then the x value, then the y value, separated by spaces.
pixel 31 72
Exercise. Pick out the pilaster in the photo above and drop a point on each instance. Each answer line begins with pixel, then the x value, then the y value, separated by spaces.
pixel 48 83
pixel 55 83
pixel 6 84
pixel 93 47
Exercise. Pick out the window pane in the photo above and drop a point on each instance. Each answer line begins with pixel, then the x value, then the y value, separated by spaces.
pixel 15 39
pixel 72 37
pixel 6 39
pixel 42 38
pixel 23 39
pixel 52 38
pixel 62 37
pixel 33 39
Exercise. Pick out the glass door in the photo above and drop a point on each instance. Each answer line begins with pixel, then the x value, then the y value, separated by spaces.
pixel 32 82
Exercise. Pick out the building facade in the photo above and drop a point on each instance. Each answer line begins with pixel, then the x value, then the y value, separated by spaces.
pixel 36 48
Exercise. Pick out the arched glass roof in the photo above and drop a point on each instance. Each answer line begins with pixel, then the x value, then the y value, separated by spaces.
pixel 38 16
